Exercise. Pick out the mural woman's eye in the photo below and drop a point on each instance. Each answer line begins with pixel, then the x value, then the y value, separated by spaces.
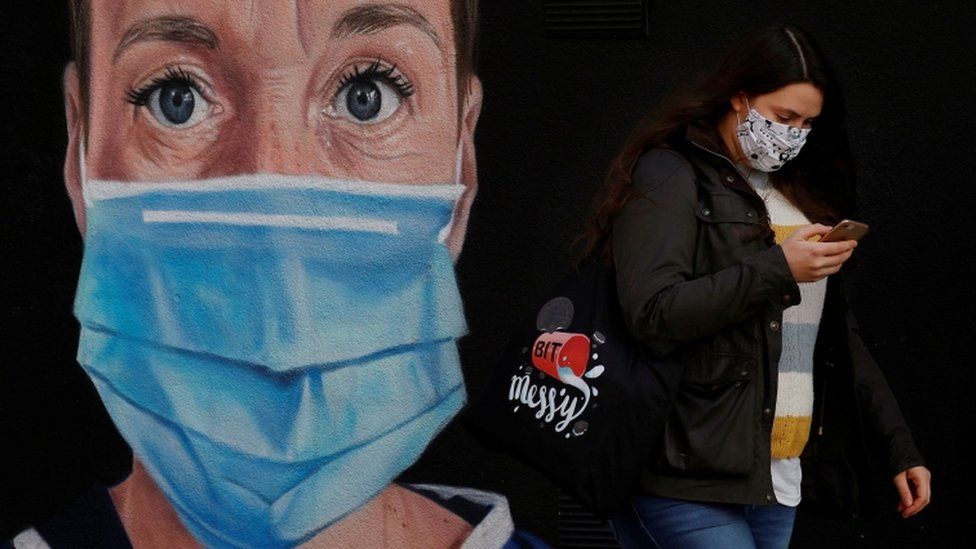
pixel 371 95
pixel 173 102
pixel 175 99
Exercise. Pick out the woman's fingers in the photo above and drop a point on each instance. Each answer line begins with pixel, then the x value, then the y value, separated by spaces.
pixel 904 492
pixel 826 272
pixel 923 484
pixel 831 261
pixel 816 250
pixel 810 261
pixel 914 490
pixel 922 487
pixel 807 231
pixel 834 248
pixel 914 508
pixel 840 258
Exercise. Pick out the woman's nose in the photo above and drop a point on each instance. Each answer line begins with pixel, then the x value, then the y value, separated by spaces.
pixel 275 135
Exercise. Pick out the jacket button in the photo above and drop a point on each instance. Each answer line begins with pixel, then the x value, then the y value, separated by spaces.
pixel 706 211
pixel 787 298
pixel 773 325
pixel 749 214
pixel 829 363
pixel 768 412
pixel 769 497
pixel 729 178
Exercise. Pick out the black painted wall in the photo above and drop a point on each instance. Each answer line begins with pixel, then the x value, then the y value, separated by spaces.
pixel 555 112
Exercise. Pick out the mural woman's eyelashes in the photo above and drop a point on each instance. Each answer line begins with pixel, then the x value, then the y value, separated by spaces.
pixel 372 94
pixel 176 99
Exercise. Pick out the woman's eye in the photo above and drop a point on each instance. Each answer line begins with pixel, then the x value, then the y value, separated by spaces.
pixel 175 99
pixel 367 101
pixel 371 94
pixel 177 105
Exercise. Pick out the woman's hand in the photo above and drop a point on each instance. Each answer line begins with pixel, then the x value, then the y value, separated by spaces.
pixel 914 489
pixel 811 261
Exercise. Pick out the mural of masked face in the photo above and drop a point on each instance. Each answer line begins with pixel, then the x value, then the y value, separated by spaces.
pixel 271 195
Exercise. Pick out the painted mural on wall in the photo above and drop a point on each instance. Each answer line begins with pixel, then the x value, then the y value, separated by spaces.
pixel 272 195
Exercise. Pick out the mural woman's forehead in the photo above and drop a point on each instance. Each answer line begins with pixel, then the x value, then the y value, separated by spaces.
pixel 457 19
pixel 268 23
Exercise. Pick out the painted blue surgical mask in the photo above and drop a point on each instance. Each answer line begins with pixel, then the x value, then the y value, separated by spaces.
pixel 276 349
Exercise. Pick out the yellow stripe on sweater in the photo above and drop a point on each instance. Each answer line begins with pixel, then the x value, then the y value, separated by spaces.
pixel 784 231
pixel 790 434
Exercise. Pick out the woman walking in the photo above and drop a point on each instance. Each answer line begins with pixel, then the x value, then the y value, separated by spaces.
pixel 712 220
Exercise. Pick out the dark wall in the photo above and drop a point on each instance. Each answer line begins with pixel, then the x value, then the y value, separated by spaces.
pixel 55 438
pixel 555 112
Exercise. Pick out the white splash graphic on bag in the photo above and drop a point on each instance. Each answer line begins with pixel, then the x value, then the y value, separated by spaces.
pixel 562 356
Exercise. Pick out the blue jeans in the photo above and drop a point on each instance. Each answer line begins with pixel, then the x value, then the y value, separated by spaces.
pixel 653 521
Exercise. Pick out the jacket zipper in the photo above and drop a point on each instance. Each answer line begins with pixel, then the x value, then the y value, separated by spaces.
pixel 722 156
pixel 823 405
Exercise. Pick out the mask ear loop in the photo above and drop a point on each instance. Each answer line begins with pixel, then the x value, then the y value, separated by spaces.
pixel 83 171
pixel 738 168
pixel 748 111
pixel 748 108
pixel 458 161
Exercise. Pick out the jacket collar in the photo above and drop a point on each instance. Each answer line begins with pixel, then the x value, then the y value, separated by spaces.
pixel 703 138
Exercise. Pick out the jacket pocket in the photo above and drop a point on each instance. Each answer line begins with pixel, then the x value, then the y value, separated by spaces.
pixel 713 425
pixel 729 231
pixel 725 207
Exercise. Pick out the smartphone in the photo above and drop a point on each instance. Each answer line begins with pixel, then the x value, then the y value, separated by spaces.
pixel 847 229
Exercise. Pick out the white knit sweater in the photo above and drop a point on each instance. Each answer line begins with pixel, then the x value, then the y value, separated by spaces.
pixel 794 397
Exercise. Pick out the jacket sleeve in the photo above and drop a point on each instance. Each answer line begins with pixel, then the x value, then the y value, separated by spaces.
pixel 654 240
pixel 882 417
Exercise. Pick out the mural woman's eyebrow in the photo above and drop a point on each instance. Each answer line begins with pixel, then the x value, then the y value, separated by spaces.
pixel 373 18
pixel 171 29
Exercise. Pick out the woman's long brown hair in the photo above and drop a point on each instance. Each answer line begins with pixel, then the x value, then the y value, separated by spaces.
pixel 820 180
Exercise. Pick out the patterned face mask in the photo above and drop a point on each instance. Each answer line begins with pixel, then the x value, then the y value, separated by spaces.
pixel 767 144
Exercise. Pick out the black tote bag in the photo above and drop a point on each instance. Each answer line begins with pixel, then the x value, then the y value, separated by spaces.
pixel 575 396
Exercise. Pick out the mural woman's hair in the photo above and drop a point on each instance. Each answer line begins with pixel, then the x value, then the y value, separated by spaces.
pixel 820 180
pixel 464 14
